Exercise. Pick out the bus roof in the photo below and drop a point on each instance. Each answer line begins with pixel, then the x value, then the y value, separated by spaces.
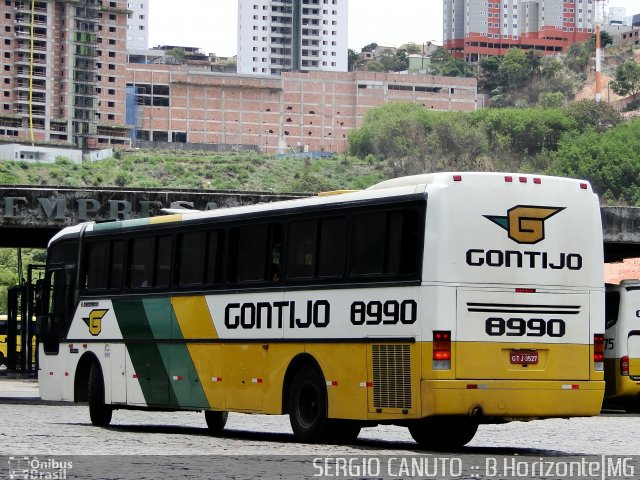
pixel 397 187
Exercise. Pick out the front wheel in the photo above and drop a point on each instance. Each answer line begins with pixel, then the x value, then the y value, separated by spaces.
pixel 216 421
pixel 443 433
pixel 308 406
pixel 99 412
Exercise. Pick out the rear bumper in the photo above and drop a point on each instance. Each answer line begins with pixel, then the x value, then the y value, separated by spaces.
pixel 512 398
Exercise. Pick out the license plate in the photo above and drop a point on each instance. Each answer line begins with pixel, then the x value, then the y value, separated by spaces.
pixel 524 357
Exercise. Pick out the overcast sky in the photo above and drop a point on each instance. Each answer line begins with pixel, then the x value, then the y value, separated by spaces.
pixel 212 24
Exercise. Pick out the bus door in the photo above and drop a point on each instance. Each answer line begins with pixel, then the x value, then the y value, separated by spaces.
pixel 633 347
pixel 56 308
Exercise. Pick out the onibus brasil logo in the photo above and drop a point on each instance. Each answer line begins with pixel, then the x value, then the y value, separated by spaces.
pixel 525 223
pixel 94 321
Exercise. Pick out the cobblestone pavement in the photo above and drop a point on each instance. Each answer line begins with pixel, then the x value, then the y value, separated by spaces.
pixel 31 428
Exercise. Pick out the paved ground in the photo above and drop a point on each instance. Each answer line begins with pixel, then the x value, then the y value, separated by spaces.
pixel 148 440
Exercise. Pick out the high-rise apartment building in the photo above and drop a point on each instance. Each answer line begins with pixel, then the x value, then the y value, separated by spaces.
pixel 63 71
pixel 276 36
pixel 474 29
pixel 138 25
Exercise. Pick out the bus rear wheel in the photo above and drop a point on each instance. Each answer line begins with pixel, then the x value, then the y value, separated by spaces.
pixel 216 421
pixel 308 406
pixel 99 412
pixel 443 433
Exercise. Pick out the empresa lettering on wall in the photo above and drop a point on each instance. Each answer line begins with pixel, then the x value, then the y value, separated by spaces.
pixel 85 208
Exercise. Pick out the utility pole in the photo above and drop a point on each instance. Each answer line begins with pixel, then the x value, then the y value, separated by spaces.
pixel 598 55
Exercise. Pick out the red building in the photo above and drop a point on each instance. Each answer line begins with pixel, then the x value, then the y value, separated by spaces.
pixel 474 29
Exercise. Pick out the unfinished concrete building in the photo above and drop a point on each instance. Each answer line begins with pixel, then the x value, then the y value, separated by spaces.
pixel 63 71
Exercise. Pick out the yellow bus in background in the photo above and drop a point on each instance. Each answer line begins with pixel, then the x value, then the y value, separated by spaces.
pixel 622 346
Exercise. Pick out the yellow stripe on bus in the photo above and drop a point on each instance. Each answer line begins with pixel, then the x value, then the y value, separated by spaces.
pixel 165 219
pixel 194 317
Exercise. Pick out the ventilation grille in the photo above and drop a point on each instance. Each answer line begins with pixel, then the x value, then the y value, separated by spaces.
pixel 391 376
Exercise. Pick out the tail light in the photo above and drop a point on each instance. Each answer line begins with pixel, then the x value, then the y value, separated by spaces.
pixel 598 352
pixel 441 350
pixel 624 366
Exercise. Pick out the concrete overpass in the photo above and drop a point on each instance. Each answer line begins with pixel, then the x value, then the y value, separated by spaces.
pixel 30 216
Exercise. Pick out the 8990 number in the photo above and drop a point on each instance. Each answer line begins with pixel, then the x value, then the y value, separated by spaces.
pixel 386 313
pixel 519 327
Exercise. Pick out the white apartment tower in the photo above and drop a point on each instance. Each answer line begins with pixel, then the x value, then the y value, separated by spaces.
pixel 138 25
pixel 276 36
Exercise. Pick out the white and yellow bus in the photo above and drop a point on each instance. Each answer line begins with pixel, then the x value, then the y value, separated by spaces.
pixel 436 302
pixel 622 345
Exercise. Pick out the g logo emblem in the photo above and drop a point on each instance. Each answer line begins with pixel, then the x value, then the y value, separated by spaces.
pixel 525 223
pixel 94 321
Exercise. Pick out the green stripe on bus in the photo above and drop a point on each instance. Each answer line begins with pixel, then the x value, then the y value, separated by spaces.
pixel 135 222
pixel 147 359
pixel 177 362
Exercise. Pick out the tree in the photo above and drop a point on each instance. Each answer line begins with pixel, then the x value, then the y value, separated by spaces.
pixel 515 69
pixel 413 49
pixel 489 78
pixel 178 54
pixel 627 80
pixel 376 66
pixel 370 48
pixel 352 59
pixel 400 61
pixel 600 116
pixel 605 39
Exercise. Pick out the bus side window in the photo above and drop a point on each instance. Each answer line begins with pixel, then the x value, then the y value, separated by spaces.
pixel 367 244
pixel 301 249
pixel 248 254
pixel 162 276
pixel 189 258
pixel 141 262
pixel 116 264
pixel 332 247
pixel 215 249
pixel 97 260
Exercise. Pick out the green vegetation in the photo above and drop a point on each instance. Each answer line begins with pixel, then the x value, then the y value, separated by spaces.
pixel 199 170
pixel 9 269
pixel 584 139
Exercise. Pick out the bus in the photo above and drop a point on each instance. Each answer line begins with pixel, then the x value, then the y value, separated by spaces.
pixel 436 302
pixel 3 339
pixel 622 346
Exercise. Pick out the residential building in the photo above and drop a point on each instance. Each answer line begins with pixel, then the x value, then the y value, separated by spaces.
pixel 138 25
pixel 276 36
pixel 63 83
pixel 474 29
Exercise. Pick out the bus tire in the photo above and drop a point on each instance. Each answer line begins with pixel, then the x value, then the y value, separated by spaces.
pixel 443 433
pixel 2 359
pixel 308 406
pixel 216 421
pixel 99 412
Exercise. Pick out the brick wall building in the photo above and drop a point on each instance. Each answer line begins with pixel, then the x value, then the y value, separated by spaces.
pixel 306 111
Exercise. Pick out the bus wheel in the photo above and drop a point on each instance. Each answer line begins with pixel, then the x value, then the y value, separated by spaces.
pixel 2 359
pixel 99 413
pixel 216 421
pixel 308 406
pixel 443 433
